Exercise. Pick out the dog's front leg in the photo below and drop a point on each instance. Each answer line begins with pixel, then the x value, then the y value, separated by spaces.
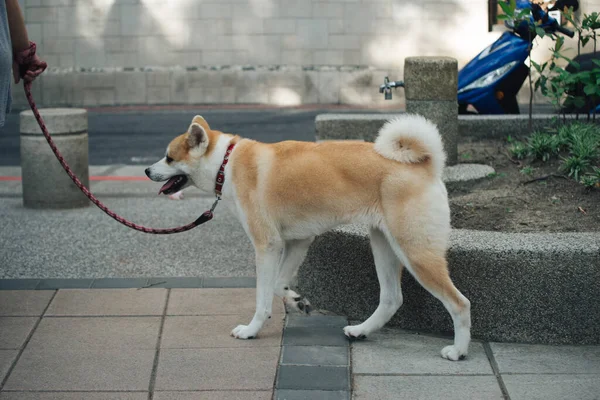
pixel 267 265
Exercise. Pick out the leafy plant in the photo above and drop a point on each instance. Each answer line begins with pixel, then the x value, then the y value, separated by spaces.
pixel 528 170
pixel 596 173
pixel 592 179
pixel 577 89
pixel 584 146
pixel 574 166
pixel 589 181
pixel 519 150
pixel 542 145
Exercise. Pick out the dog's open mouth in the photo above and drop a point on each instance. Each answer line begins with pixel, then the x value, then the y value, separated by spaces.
pixel 174 184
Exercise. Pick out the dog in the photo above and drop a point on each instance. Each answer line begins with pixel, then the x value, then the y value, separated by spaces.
pixel 286 193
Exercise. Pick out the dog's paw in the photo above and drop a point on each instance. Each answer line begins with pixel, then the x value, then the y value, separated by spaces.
pixel 452 353
pixel 354 332
pixel 299 304
pixel 242 332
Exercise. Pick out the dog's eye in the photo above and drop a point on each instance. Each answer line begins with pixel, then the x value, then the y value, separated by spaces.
pixel 168 159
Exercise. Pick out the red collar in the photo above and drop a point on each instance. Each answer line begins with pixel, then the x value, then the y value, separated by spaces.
pixel 208 215
pixel 221 174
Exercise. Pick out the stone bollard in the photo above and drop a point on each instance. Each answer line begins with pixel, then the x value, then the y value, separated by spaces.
pixel 45 182
pixel 431 91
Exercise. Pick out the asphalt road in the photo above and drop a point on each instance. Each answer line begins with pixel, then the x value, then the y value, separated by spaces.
pixel 139 137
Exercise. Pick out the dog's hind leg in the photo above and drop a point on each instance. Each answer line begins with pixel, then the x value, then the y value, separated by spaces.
pixel 293 256
pixel 389 270
pixel 429 266
pixel 268 256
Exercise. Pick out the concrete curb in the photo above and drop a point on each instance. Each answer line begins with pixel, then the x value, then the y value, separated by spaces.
pixel 533 288
pixel 365 126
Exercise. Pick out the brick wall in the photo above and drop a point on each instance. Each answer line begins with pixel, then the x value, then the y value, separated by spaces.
pixel 137 33
pixel 329 51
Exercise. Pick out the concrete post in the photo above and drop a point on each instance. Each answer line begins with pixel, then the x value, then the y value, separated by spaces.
pixel 45 183
pixel 430 89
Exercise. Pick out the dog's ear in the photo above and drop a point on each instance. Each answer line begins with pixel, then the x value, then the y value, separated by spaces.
pixel 199 119
pixel 197 136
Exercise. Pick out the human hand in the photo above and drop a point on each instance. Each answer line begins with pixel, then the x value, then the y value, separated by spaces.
pixel 27 65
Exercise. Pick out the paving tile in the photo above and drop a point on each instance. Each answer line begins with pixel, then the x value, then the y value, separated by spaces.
pixel 216 302
pixel 312 378
pixel 78 302
pixel 230 282
pixel 288 394
pixel 18 284
pixel 73 396
pixel 7 357
pixel 14 331
pixel 135 333
pixel 191 332
pixel 24 303
pixel 119 283
pixel 552 387
pixel 315 336
pixel 312 321
pixel 236 369
pixel 216 395
pixel 524 358
pixel 71 354
pixel 315 355
pixel 47 284
pixel 426 388
pixel 393 352
pixel 73 370
pixel 174 282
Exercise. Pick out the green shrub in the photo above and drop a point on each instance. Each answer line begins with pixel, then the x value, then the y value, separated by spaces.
pixel 542 146
pixel 585 146
pixel 589 181
pixel 519 150
pixel 577 142
pixel 528 170
pixel 574 166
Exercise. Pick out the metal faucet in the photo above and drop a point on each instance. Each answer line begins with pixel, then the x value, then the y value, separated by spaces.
pixel 387 86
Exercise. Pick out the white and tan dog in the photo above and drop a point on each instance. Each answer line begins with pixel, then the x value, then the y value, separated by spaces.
pixel 287 193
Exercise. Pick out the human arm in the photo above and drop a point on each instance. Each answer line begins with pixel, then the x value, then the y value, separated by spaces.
pixel 27 66
pixel 16 25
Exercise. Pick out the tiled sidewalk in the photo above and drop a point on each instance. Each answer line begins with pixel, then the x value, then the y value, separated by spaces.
pixel 173 343
pixel 397 365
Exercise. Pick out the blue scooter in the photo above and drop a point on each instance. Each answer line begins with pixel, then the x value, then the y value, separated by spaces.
pixel 490 82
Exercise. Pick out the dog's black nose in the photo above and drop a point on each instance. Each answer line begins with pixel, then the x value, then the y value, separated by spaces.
pixel 147 171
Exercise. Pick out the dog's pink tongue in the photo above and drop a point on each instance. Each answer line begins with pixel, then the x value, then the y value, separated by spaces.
pixel 167 185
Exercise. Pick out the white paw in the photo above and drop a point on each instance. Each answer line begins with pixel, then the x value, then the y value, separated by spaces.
pixel 242 332
pixel 452 353
pixel 355 332
pixel 298 304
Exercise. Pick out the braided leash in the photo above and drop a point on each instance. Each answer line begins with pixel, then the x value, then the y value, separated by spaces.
pixel 24 58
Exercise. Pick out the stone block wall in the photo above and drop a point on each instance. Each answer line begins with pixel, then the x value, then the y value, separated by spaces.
pixel 188 33
pixel 276 85
pixel 265 51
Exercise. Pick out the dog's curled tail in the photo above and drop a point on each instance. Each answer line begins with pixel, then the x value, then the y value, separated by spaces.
pixel 412 139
